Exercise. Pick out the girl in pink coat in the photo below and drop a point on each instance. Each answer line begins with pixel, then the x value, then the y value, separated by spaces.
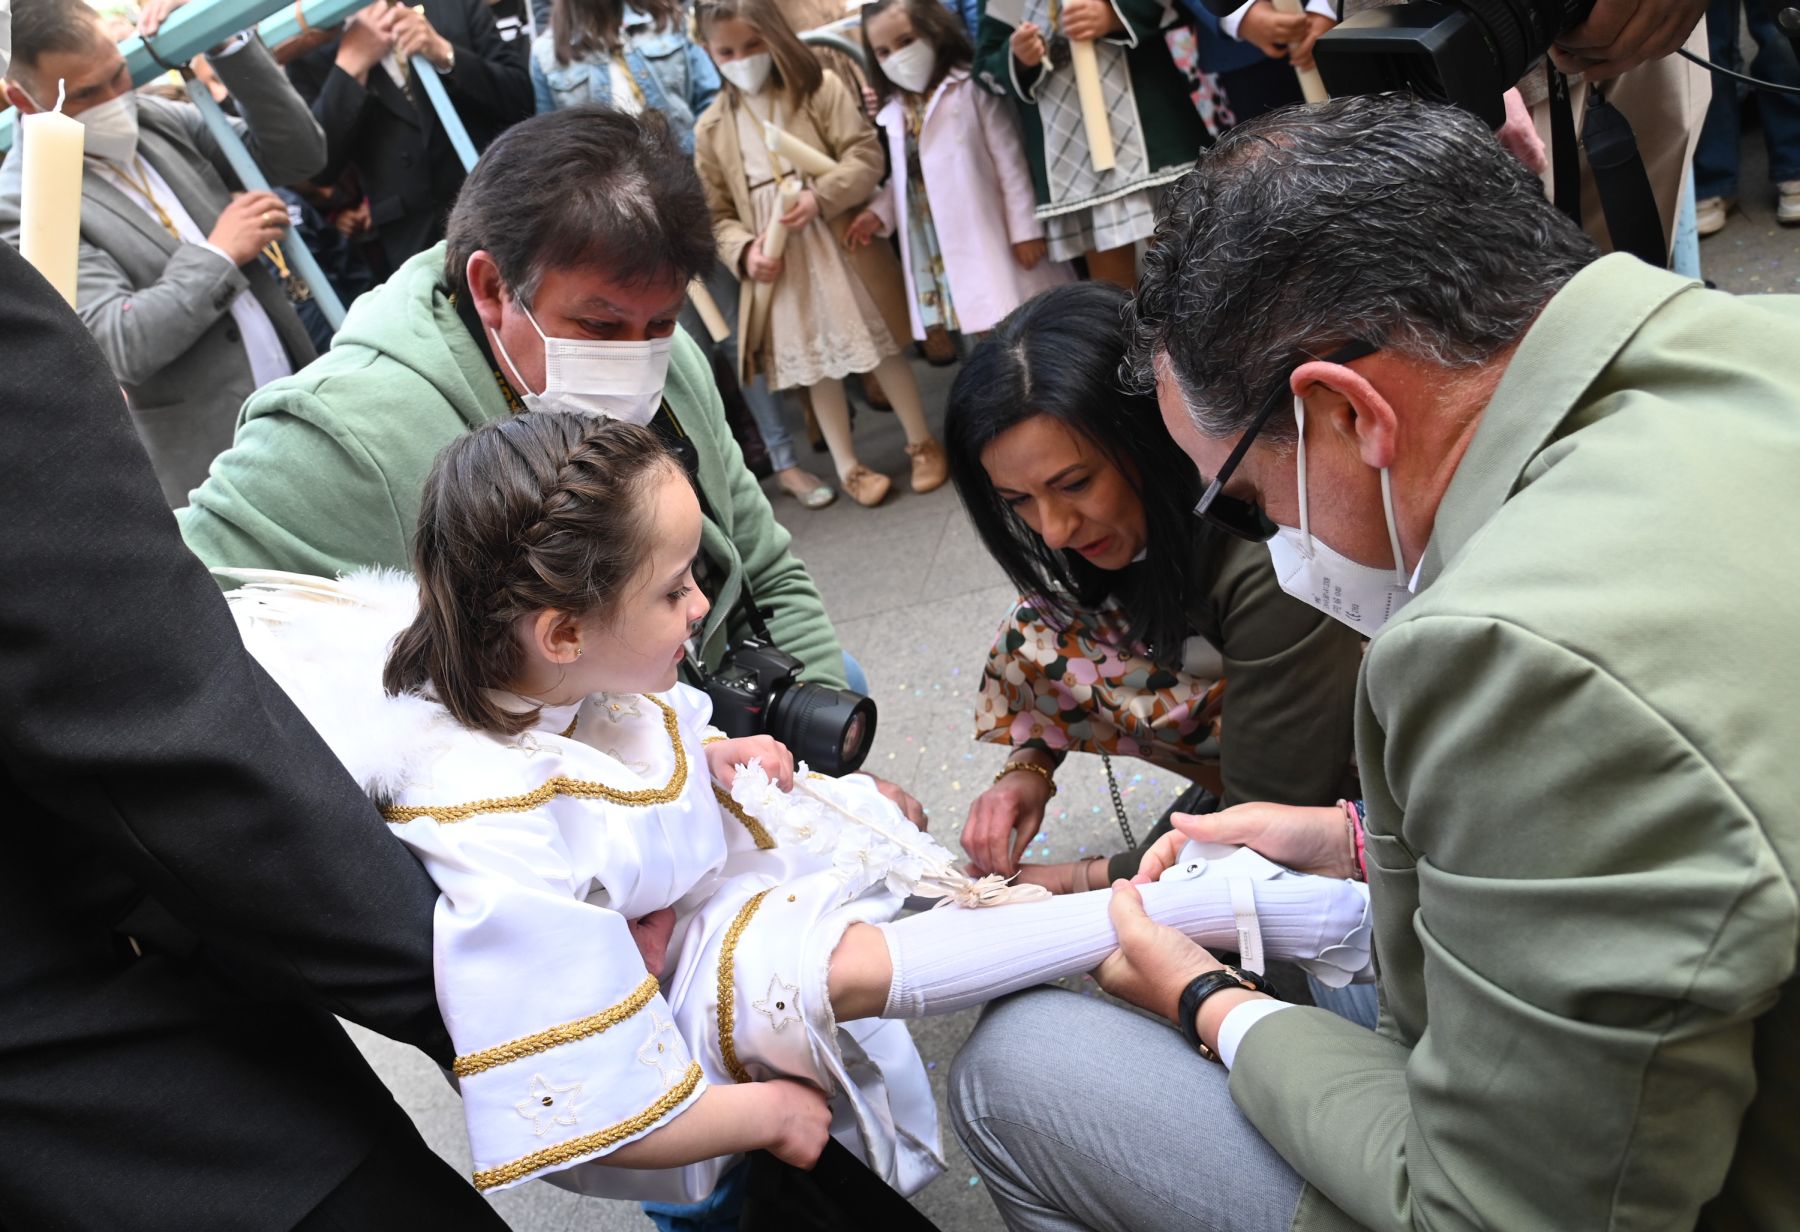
pixel 960 193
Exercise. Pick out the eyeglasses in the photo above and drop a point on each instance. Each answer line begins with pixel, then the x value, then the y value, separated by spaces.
pixel 1240 517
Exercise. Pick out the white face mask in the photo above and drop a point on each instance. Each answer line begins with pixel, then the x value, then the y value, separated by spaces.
pixel 5 36
pixel 620 380
pixel 911 66
pixel 748 73
pixel 112 128
pixel 1362 596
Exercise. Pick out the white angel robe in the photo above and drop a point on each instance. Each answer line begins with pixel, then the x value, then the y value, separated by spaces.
pixel 544 845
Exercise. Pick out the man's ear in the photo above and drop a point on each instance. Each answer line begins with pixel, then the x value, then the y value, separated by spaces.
pixel 1356 410
pixel 486 288
pixel 15 94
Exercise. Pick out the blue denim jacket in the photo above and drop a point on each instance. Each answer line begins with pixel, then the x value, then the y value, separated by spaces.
pixel 676 77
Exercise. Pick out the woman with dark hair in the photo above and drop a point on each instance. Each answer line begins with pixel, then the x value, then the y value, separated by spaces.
pixel 1133 614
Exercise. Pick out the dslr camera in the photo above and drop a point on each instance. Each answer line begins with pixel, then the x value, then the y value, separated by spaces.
pixel 1465 52
pixel 758 690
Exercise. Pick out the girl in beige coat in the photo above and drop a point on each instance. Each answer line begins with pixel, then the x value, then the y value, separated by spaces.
pixel 812 312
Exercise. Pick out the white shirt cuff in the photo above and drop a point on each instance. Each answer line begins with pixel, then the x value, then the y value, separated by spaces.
pixel 232 45
pixel 1232 20
pixel 223 255
pixel 1238 1022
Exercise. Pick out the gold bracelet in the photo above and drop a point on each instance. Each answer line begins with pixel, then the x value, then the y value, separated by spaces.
pixel 1041 771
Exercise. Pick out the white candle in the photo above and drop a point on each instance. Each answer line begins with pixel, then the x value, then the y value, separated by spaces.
pixel 708 308
pixel 775 238
pixel 1093 103
pixel 804 156
pixel 50 210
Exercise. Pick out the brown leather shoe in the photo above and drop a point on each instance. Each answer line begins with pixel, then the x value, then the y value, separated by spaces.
pixel 865 486
pixel 929 466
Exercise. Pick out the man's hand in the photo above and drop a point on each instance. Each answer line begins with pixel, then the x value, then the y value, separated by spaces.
pixel 803 211
pixel 1622 34
pixel 1520 136
pixel 1309 840
pixel 652 934
pixel 760 267
pixel 368 37
pixel 798 1120
pixel 414 36
pixel 723 757
pixel 1272 32
pixel 863 228
pixel 153 13
pixel 1029 252
pixel 1153 962
pixel 1090 19
pixel 1028 46
pixel 1301 53
pixel 247 224
pixel 1004 819
pixel 902 799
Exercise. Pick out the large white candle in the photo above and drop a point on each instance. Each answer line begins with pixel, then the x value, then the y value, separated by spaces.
pixel 708 308
pixel 50 211
pixel 1093 103
pixel 813 161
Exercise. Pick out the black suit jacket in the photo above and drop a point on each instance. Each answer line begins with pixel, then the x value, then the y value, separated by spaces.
pixel 159 793
pixel 408 167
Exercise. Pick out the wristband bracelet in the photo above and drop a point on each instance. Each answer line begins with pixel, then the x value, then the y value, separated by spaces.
pixel 1042 772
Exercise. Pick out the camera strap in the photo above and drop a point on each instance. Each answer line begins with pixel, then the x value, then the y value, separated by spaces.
pixel 1626 199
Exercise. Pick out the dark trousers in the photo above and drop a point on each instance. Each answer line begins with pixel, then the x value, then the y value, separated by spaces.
pixel 1260 87
pixel 403 1184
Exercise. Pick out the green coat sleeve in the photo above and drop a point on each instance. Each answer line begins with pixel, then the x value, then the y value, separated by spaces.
pixel 265 504
pixel 783 588
pixel 1286 734
pixel 1601 920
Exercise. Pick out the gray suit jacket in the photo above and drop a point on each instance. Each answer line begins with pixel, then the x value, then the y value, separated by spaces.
pixel 159 308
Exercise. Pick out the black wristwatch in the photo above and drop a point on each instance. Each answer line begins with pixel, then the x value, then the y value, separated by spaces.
pixel 1204 986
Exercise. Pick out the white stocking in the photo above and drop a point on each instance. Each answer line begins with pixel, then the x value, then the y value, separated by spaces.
pixel 952 958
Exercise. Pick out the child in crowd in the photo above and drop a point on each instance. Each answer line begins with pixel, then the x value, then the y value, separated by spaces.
pixel 638 59
pixel 632 59
pixel 815 313
pixel 1023 52
pixel 953 142
pixel 643 975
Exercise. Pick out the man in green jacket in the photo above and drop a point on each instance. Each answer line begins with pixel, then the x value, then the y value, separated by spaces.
pixel 1559 493
pixel 571 244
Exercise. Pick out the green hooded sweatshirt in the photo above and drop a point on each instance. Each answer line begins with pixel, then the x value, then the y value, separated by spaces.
pixel 328 465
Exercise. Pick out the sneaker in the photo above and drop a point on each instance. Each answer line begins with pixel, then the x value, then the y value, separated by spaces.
pixel 1787 207
pixel 929 466
pixel 1709 214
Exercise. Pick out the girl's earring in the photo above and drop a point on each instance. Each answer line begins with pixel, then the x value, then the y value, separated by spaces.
pixel 577 652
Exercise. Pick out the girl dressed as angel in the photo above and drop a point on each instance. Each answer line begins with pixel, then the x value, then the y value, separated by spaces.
pixel 517 716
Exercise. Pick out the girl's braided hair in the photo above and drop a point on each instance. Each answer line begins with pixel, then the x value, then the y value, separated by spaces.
pixel 542 510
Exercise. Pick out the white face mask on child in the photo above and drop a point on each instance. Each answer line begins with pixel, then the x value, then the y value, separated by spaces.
pixel 748 73
pixel 910 67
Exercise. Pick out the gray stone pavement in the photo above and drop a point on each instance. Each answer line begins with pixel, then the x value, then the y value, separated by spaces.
pixel 917 601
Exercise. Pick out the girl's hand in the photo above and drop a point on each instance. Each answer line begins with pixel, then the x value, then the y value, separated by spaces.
pixel 863 228
pixel 1028 45
pixel 1090 19
pixel 652 933
pixel 803 211
pixel 798 1120
pixel 759 267
pixel 871 104
pixel 723 757
pixel 1029 252
pixel 1003 821
pixel 1270 31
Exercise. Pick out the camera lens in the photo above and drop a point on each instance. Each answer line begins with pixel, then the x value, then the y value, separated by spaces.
pixel 829 729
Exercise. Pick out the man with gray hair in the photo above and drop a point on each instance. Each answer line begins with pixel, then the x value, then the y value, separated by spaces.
pixel 1556 490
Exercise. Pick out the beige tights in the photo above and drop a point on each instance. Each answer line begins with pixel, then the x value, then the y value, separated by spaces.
pixel 832 409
